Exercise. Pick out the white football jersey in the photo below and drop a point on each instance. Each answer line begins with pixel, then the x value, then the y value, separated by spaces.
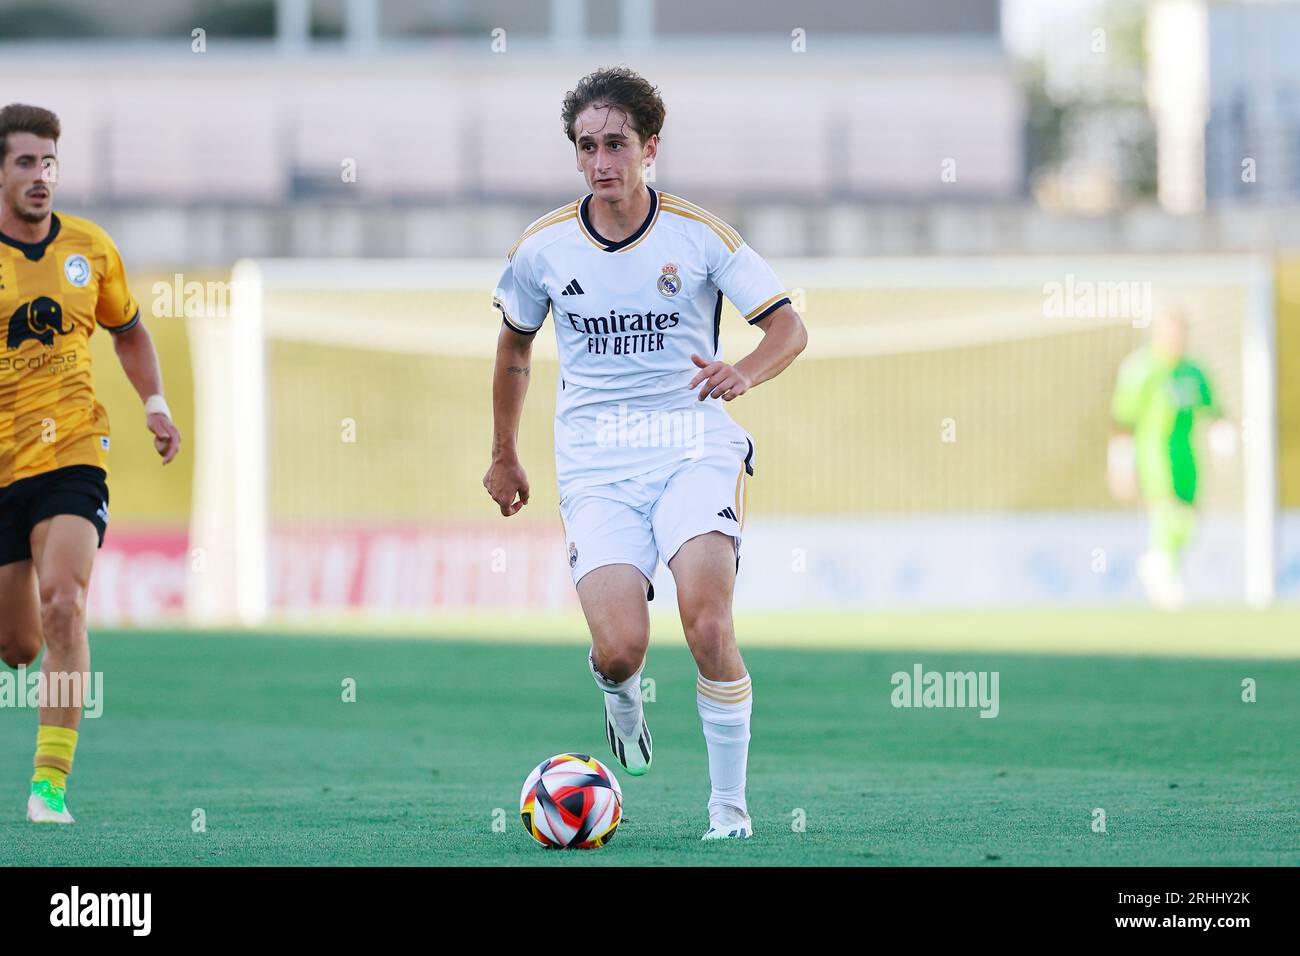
pixel 628 315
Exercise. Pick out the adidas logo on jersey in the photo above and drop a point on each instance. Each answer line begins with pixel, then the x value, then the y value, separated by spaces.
pixel 573 289
pixel 728 513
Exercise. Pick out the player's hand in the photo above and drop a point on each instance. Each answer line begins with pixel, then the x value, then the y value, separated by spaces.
pixel 504 479
pixel 720 380
pixel 166 438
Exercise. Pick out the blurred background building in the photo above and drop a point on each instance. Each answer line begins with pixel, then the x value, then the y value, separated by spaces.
pixel 205 130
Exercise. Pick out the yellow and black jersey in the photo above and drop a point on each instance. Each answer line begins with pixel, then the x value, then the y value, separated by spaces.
pixel 52 294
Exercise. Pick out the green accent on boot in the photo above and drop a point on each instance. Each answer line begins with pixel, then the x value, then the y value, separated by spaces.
pixel 51 796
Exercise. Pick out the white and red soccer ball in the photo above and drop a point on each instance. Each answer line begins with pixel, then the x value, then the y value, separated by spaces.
pixel 571 801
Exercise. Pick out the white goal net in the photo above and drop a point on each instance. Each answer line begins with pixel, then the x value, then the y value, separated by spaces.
pixel 941 441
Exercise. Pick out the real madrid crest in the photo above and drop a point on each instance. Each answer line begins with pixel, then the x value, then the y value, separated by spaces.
pixel 670 283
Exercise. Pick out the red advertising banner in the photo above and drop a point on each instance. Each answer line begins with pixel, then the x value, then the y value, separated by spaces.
pixel 142 576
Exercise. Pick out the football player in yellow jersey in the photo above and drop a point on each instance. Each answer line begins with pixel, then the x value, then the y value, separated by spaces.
pixel 60 276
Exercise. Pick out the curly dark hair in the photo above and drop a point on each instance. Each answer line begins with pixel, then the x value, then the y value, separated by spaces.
pixel 621 87
pixel 20 118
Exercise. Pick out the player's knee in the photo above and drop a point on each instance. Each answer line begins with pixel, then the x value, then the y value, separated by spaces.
pixel 63 609
pixel 618 664
pixel 710 631
pixel 17 653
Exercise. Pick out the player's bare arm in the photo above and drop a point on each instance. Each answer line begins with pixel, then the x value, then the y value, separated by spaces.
pixel 505 478
pixel 784 337
pixel 139 358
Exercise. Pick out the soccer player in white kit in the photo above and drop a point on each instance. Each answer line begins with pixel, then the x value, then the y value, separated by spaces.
pixel 650 466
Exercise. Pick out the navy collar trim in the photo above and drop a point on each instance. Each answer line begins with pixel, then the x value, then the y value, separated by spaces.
pixel 35 250
pixel 583 211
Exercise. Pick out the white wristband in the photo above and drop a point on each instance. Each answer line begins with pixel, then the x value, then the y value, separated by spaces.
pixel 1121 455
pixel 156 403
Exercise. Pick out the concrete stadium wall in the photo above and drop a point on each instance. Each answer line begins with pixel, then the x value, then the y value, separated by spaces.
pixel 215 234
pixel 463 125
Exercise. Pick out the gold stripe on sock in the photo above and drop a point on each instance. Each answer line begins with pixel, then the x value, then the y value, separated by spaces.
pixel 723 691
pixel 720 684
pixel 714 695
pixel 729 687
pixel 722 700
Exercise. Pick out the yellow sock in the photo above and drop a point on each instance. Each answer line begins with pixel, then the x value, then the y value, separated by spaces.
pixel 55 747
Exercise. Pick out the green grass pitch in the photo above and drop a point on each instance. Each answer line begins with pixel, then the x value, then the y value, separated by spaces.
pixel 252 730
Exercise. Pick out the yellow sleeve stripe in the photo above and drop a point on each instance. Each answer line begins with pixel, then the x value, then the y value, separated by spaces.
pixel 779 295
pixel 550 219
pixel 691 207
pixel 732 246
pixel 553 215
pixel 718 220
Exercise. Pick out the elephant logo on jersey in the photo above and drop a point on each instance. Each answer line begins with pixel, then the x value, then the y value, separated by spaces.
pixel 77 269
pixel 670 283
pixel 38 320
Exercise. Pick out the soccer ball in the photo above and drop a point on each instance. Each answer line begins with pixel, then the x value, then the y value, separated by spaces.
pixel 571 801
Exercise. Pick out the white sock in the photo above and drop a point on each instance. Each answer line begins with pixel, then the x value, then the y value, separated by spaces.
pixel 624 697
pixel 725 708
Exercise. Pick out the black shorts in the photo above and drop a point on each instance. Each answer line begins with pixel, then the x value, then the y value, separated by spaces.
pixel 74 490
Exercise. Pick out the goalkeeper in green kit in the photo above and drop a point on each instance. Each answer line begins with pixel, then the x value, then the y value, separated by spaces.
pixel 1159 398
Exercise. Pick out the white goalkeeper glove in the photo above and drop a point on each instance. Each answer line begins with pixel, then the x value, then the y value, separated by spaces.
pixel 1223 439
pixel 1121 467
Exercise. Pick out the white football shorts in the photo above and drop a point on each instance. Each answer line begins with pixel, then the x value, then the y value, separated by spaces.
pixel 641 521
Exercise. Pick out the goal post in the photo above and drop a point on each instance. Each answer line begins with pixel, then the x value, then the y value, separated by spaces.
pixel 1259 417
pixel 229 533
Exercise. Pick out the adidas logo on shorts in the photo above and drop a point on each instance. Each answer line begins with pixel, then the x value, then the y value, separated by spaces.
pixel 728 513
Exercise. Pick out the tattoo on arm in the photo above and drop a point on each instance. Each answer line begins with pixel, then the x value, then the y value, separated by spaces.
pixel 517 370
